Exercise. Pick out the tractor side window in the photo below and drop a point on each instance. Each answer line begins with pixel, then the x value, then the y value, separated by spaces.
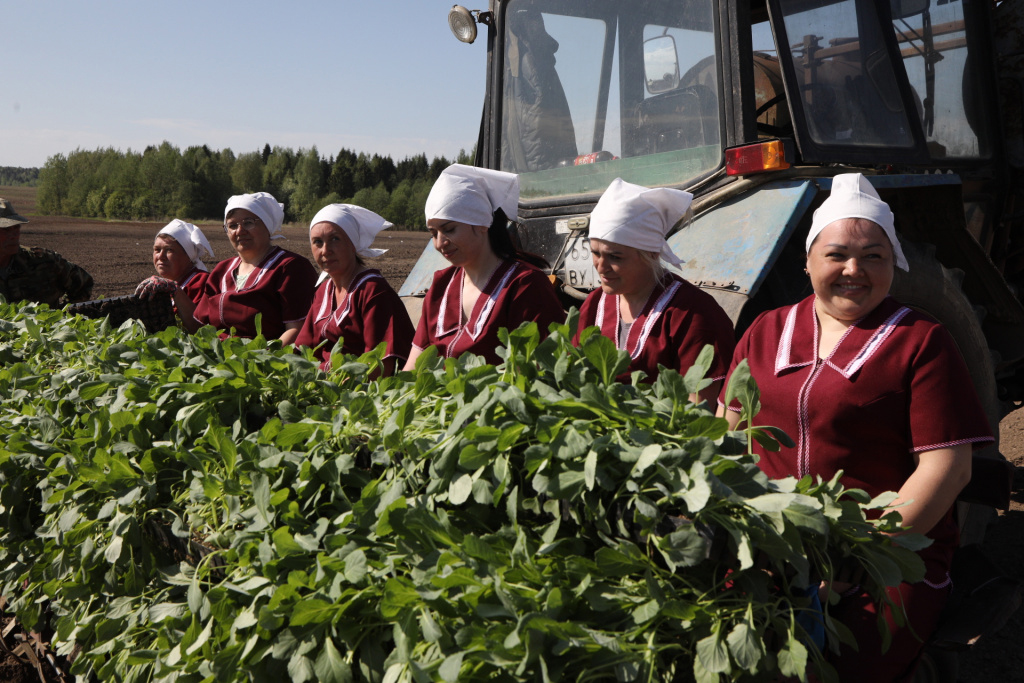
pixel 933 42
pixel 680 106
pixel 552 84
pixel 771 108
pixel 594 90
pixel 847 85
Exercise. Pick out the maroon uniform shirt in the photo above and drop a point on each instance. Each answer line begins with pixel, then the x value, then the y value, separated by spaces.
pixel 894 385
pixel 516 293
pixel 281 288
pixel 193 283
pixel 671 330
pixel 371 313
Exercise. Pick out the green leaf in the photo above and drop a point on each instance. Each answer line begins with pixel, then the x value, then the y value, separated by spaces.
pixel 397 595
pixel 609 361
pixel 330 666
pixel 646 612
pixel 793 658
pixel 285 543
pixel 744 646
pixel 713 654
pixel 460 490
pixel 204 636
pixel 355 566
pixel 295 433
pixel 648 457
pixel 451 667
pixel 312 611
pixel 113 551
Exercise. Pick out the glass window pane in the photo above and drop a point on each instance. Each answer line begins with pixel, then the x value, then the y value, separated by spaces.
pixel 848 89
pixel 934 48
pixel 578 108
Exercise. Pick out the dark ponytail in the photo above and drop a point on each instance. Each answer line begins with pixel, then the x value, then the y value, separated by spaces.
pixel 501 243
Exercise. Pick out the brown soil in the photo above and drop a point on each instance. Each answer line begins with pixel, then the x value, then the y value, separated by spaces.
pixel 118 255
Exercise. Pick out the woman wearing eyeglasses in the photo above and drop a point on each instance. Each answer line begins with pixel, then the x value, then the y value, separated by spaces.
pixel 262 279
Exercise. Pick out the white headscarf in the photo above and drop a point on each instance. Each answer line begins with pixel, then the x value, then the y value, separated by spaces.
pixel 471 195
pixel 854 197
pixel 263 204
pixel 361 225
pixel 639 217
pixel 191 239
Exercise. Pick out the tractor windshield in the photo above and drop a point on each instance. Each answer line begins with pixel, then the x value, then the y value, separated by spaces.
pixel 599 89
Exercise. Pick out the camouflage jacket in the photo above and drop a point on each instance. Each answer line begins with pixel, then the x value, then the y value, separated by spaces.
pixel 44 276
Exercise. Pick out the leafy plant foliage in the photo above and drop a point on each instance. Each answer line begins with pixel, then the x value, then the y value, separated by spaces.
pixel 186 508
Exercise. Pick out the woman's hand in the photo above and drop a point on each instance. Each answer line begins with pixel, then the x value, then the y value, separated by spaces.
pixel 291 332
pixel 155 286
pixel 933 487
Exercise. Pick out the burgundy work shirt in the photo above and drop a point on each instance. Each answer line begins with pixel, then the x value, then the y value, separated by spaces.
pixel 281 288
pixel 671 330
pixel 371 313
pixel 515 293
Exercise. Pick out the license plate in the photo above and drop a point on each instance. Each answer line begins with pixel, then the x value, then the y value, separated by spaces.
pixel 579 267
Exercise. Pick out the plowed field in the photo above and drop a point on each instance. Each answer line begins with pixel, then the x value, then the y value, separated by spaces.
pixel 119 255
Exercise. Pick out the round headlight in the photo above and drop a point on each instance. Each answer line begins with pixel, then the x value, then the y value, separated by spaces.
pixel 462 24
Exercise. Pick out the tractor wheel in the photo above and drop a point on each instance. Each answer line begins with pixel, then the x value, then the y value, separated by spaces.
pixel 931 288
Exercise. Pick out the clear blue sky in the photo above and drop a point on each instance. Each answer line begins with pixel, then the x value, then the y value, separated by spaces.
pixel 376 77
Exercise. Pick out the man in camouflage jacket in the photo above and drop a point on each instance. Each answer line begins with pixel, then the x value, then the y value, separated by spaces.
pixel 36 274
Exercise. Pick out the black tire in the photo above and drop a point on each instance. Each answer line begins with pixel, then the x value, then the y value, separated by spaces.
pixel 935 290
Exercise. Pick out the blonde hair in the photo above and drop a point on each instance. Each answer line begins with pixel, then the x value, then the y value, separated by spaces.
pixel 653 262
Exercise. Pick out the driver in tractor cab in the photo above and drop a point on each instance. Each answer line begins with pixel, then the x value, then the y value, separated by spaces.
pixel 538 125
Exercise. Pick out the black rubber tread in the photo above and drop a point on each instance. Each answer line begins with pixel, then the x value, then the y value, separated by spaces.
pixel 934 289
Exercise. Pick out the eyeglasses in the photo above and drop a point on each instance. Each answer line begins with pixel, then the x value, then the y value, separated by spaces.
pixel 247 224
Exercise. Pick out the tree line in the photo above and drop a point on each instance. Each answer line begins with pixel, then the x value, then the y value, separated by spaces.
pixel 16 175
pixel 163 182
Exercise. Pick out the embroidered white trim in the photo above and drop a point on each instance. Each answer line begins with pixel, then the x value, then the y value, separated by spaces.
pixel 492 299
pixel 441 330
pixel 228 277
pixel 947 582
pixel 873 344
pixel 190 278
pixel 652 317
pixel 786 342
pixel 948 444
pixel 260 271
pixel 803 451
pixel 341 312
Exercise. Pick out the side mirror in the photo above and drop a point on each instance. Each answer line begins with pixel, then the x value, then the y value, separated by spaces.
pixel 661 64
pixel 907 8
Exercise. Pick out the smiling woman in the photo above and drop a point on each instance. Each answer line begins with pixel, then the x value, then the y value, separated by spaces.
pixel 877 392
pixel 262 280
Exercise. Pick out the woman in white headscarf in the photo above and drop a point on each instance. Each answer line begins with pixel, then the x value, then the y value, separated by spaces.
pixel 659 318
pixel 263 279
pixel 490 284
pixel 178 252
pixel 871 388
pixel 354 305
